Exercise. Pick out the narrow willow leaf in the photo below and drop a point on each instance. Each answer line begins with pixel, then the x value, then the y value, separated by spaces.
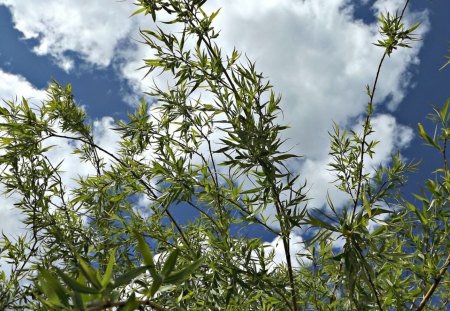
pixel 76 285
pixel 170 262
pixel 320 223
pixel 152 62
pixel 138 11
pixel 4 111
pixel 78 300
pixel 128 276
pixel 410 207
pixel 52 288
pixel 184 273
pixel 89 273
pixel 427 138
pixel 284 157
pixel 156 284
pixel 147 254
pixel 109 268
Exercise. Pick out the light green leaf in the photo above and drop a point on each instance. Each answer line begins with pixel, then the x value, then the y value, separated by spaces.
pixel 184 273
pixel 109 268
pixel 89 273
pixel 170 263
pixel 52 288
pixel 128 276
pixel 76 285
pixel 427 138
pixel 147 254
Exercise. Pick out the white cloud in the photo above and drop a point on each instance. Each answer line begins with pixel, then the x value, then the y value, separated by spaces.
pixel 314 51
pixel 11 85
pixel 391 6
pixel 129 70
pixel 391 135
pixel 14 87
pixel 320 58
pixel 92 29
pixel 296 247
pixel 105 136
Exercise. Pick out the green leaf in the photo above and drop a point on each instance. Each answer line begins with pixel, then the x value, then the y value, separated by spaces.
pixel 184 273
pixel 153 62
pixel 130 305
pixel 170 263
pixel 444 110
pixel 156 284
pixel 252 190
pixel 109 268
pixel 76 285
pixel 421 216
pixel 89 273
pixel 379 230
pixel 138 11
pixel 320 223
pixel 213 15
pixel 52 288
pixel 78 300
pixel 427 138
pixel 284 157
pixel 128 276
pixel 147 254
pixel 4 111
pixel 366 205
pixel 410 207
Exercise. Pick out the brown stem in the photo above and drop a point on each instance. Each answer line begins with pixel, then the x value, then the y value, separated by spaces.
pixel 444 269
pixel 365 134
pixel 435 284
pixel 333 294
pixel 146 186
pixel 366 123
pixel 284 232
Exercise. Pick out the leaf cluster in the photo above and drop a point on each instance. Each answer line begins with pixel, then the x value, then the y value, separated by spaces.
pixel 212 143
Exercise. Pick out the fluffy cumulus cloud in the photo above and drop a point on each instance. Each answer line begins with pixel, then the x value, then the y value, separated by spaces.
pixel 9 84
pixel 297 252
pixel 91 29
pixel 316 53
pixel 391 135
pixel 320 57
pixel 15 87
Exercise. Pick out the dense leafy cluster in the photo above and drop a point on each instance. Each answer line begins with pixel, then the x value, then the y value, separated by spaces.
pixel 212 143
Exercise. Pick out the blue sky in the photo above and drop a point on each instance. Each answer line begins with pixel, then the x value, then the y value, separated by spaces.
pixel 317 53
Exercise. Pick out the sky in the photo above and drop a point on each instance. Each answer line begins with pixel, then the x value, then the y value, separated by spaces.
pixel 317 53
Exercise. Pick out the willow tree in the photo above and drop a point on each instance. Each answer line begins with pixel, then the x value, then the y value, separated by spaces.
pixel 212 141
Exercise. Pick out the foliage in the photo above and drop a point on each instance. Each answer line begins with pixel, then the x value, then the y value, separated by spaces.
pixel 213 143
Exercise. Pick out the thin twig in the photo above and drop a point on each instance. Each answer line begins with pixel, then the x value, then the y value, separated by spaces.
pixel 275 194
pixel 435 284
pixel 172 219
pixel 366 123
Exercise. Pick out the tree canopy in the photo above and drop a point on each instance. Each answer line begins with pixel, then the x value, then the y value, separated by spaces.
pixel 212 141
